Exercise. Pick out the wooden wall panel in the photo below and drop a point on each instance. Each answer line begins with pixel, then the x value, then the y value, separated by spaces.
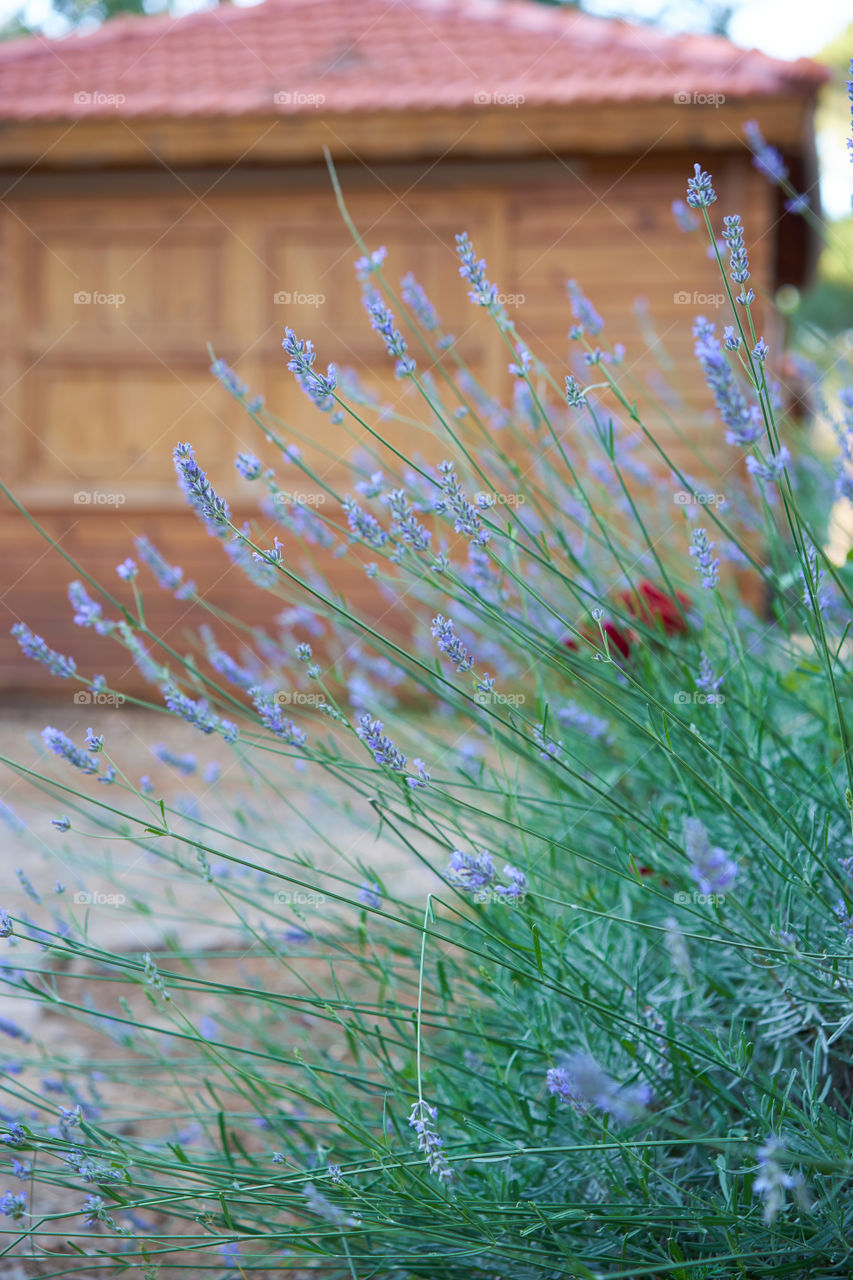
pixel 98 392
pixel 123 423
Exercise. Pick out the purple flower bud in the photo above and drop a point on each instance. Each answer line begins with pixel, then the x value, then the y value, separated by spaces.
pixel 127 570
pixel 700 192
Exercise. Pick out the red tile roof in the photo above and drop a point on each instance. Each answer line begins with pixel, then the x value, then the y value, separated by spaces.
pixel 298 56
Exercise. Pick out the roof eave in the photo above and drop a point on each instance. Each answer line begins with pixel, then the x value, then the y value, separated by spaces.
pixel 608 128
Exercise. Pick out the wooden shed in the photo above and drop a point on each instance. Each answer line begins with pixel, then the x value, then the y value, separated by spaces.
pixel 164 188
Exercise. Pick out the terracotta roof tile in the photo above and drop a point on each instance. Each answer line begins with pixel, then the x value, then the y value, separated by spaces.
pixel 294 57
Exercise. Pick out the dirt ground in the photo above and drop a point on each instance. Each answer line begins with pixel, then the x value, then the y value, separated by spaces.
pixel 323 827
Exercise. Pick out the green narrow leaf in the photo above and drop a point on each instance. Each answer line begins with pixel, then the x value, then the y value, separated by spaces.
pixel 537 946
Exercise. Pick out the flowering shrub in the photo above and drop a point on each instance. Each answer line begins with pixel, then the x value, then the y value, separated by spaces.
pixel 607 1032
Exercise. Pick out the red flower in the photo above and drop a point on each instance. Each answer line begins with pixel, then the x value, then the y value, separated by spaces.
pixel 618 638
pixel 652 606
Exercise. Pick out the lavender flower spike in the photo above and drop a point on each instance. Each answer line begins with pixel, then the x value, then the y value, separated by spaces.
pixel 767 160
pixel 473 872
pixel 274 719
pixel 87 613
pixel 197 713
pixel 423 776
pixel 516 890
pixel 382 320
pixel 575 394
pixel 706 565
pixel 422 1120
pixel 318 387
pixel 186 765
pixel 363 525
pixel 450 644
pixel 169 577
pixel 371 262
pixel 34 647
pixel 483 293
pixel 772 1182
pixel 743 421
pixel 707 679
pixel 249 466
pixel 369 894
pixel 323 1207
pixel 197 487
pixel 733 236
pixel 712 868
pixel 226 375
pixel 466 518
pixel 583 310
pixel 301 362
pixel 700 192
pixel 684 219
pixel 384 751
pixel 416 299
pixel 61 745
pixel 584 1084
pixel 823 596
pixel 404 524
pixel 769 469
pixel 13 1206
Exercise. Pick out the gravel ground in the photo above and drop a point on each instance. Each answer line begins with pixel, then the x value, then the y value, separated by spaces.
pixel 322 821
pixel 320 826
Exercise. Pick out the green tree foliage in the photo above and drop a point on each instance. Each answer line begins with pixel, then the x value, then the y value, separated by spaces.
pixel 73 15
pixel 710 16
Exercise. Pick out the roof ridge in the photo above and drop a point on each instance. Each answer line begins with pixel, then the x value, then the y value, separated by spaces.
pixel 526 15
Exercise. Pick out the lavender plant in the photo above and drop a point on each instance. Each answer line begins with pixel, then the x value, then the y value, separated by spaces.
pixel 598 1023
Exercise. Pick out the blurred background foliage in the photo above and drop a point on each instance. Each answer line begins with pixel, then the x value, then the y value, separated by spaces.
pixel 712 16
pixel 828 305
